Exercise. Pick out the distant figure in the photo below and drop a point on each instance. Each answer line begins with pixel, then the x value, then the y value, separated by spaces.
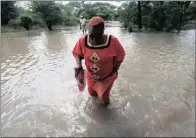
pixel 103 55
pixel 83 24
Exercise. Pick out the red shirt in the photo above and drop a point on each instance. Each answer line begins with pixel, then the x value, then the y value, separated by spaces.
pixel 101 59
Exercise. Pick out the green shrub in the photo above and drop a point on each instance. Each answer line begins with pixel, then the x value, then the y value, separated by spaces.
pixel 14 22
pixel 26 21
pixel 146 21
pixel 37 20
pixel 71 20
pixel 9 29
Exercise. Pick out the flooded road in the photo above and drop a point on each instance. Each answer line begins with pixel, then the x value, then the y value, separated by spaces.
pixel 153 96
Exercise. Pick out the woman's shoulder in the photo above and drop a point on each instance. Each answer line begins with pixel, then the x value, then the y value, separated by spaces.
pixel 82 40
pixel 83 37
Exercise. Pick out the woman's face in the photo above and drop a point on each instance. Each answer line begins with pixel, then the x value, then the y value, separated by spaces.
pixel 96 31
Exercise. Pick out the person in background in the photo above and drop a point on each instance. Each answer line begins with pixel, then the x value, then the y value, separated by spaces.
pixel 81 22
pixel 103 55
pixel 83 25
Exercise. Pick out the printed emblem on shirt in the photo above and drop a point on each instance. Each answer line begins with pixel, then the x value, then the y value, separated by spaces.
pixel 94 68
pixel 95 77
pixel 95 57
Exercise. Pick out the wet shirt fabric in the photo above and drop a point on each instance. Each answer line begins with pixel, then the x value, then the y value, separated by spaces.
pixel 100 61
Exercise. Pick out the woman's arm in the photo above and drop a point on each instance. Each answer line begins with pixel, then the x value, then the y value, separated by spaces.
pixel 120 55
pixel 78 67
pixel 78 55
pixel 78 61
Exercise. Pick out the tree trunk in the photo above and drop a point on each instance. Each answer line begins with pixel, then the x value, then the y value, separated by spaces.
pixel 4 21
pixel 139 15
pixel 49 25
pixel 27 27
pixel 181 13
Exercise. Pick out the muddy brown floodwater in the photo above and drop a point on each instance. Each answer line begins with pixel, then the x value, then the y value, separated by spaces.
pixel 153 96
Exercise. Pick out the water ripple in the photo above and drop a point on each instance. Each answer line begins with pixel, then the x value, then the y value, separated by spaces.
pixel 153 96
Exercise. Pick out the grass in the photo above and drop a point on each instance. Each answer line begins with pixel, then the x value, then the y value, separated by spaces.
pixel 17 28
pixel 188 27
pixel 9 29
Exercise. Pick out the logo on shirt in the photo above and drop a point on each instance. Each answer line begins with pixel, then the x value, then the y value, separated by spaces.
pixel 94 68
pixel 94 57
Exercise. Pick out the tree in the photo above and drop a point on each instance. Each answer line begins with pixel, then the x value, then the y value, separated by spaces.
pixel 26 21
pixel 49 10
pixel 158 15
pixel 37 19
pixel 128 14
pixel 123 14
pixel 139 15
pixel 78 7
pixel 68 15
pixel 173 16
pixel 88 10
pixel 183 9
pixel 8 11
pixel 191 11
pixel 105 10
pixel 22 10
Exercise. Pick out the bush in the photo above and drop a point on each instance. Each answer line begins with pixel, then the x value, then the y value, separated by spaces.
pixel 135 20
pixel 9 29
pixel 8 11
pixel 34 27
pixel 130 28
pixel 146 21
pixel 26 21
pixel 72 20
pixel 14 23
pixel 37 20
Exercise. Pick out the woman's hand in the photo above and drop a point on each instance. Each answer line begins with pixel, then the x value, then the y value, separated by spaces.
pixel 117 66
pixel 78 67
pixel 77 71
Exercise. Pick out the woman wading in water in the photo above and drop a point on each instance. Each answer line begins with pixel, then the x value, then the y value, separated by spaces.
pixel 103 55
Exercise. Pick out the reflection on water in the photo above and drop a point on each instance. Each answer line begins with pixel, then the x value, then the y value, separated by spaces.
pixel 153 96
